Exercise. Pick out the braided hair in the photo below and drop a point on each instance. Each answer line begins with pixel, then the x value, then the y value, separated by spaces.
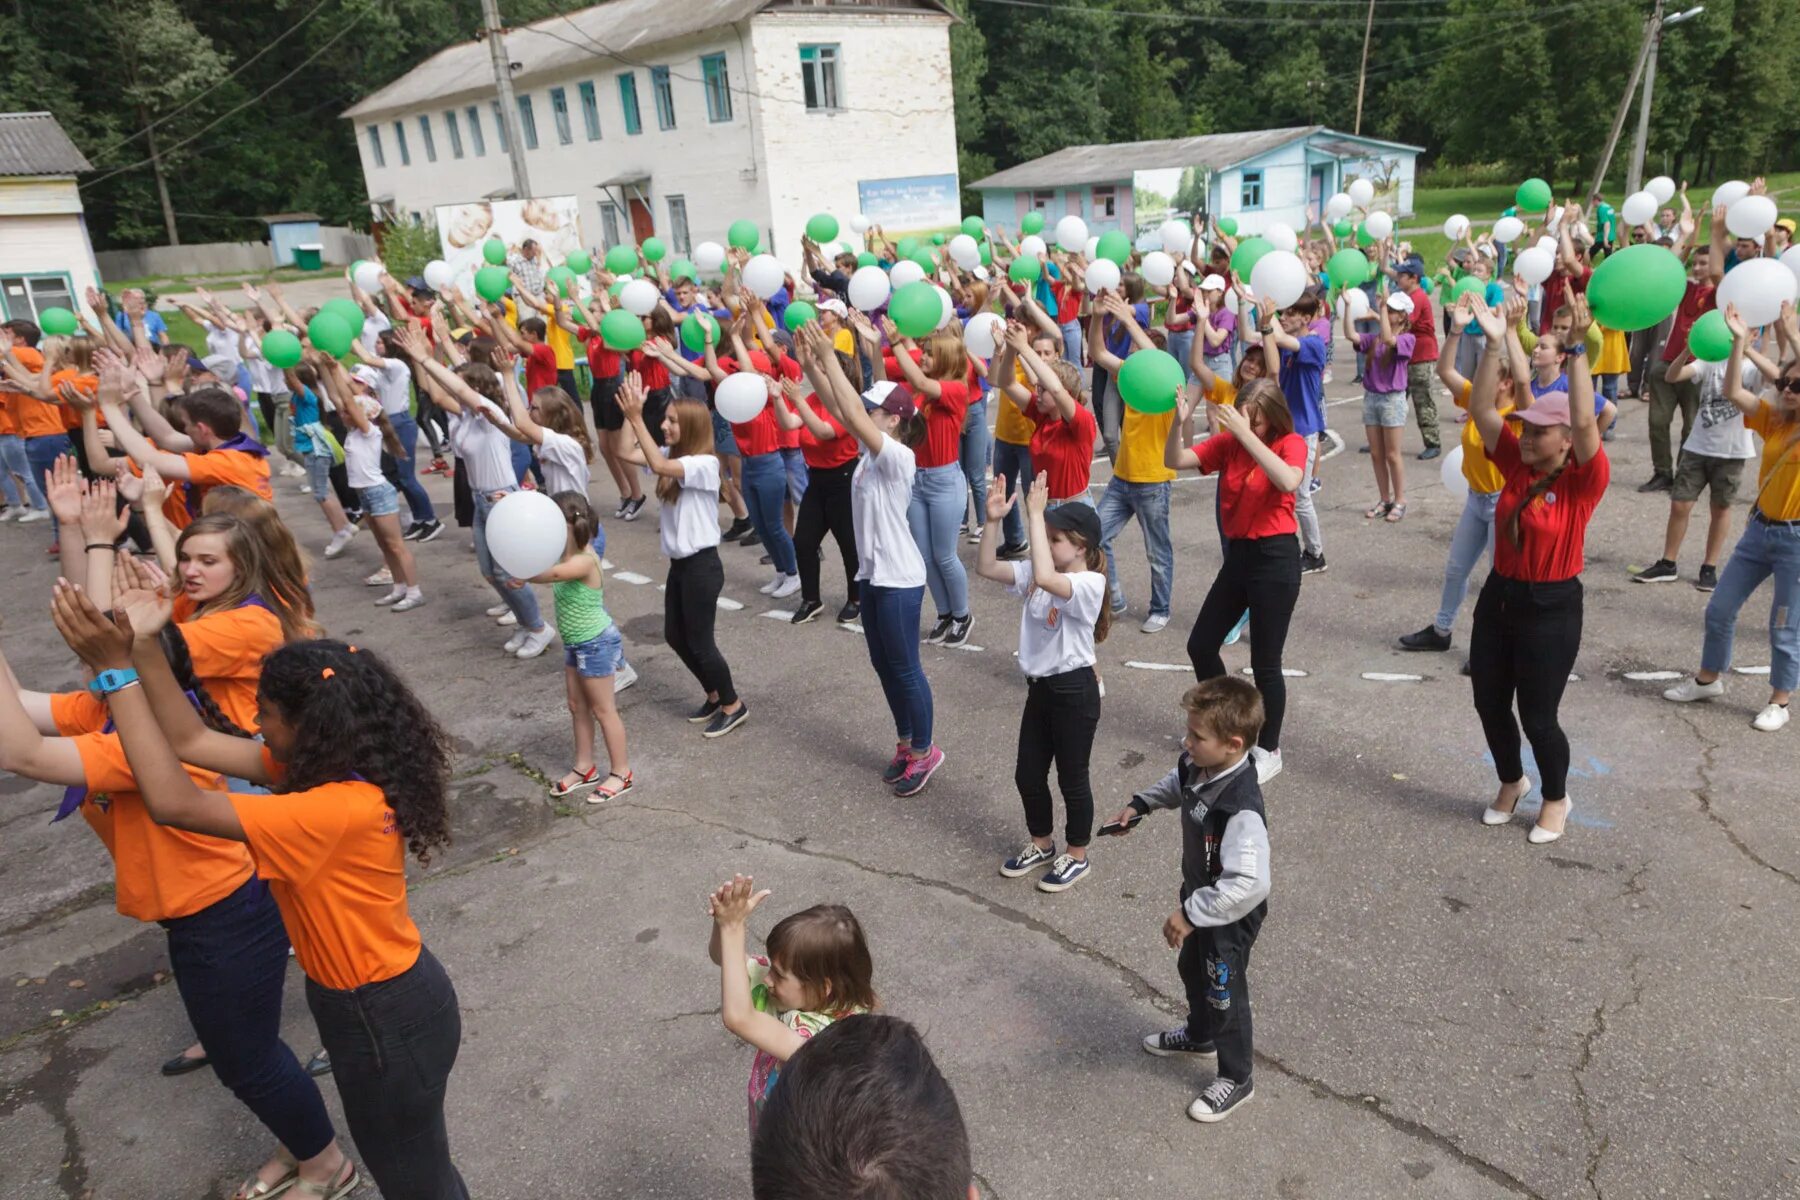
pixel 181 662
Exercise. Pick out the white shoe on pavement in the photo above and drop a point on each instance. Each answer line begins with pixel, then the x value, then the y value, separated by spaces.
pixel 1771 718
pixel 624 677
pixel 536 643
pixel 339 540
pixel 381 578
pixel 1155 623
pixel 409 602
pixel 1691 689
pixel 787 585
pixel 1268 763
pixel 509 617
pixel 36 514
pixel 515 641
pixel 499 610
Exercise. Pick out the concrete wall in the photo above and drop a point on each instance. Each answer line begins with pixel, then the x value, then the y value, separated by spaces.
pixel 342 246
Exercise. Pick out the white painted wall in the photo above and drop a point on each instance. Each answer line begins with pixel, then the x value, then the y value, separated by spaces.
pixel 43 232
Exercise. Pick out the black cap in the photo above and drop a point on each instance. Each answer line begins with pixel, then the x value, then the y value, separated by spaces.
pixel 1077 517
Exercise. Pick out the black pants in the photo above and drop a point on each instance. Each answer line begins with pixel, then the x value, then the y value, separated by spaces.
pixel 690 608
pixel 1061 714
pixel 392 1045
pixel 431 422
pixel 1524 645
pixel 462 498
pixel 1214 966
pixel 825 505
pixel 1262 575
pixel 340 479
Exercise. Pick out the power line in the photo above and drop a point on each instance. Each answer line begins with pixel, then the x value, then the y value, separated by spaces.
pixel 1223 19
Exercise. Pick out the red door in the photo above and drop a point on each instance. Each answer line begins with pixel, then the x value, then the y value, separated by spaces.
pixel 643 225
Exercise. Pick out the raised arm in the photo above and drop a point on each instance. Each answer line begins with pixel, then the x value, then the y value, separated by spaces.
pixel 1582 419
pixel 1483 409
pixel 631 402
pixel 1178 453
pixel 1747 401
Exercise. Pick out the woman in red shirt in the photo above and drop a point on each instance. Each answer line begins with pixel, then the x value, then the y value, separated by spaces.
pixel 1528 619
pixel 1062 445
pixel 831 457
pixel 1260 461
pixel 940 496
pixel 759 445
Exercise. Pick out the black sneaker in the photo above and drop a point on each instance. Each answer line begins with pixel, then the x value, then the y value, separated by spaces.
pixel 737 529
pixel 1656 483
pixel 850 612
pixel 1660 571
pixel 412 531
pixel 808 610
pixel 424 531
pixel 1012 551
pixel 1311 564
pixel 319 1064
pixel 706 712
pixel 766 560
pixel 1425 455
pixel 959 630
pixel 624 504
pixel 750 539
pixel 939 631
pixel 1171 1042
pixel 1707 580
pixel 724 722
pixel 1427 638
pixel 633 508
pixel 1218 1099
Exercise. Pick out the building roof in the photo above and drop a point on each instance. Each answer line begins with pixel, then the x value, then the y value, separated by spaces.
pixel 288 218
pixel 618 29
pixel 1214 151
pixel 34 144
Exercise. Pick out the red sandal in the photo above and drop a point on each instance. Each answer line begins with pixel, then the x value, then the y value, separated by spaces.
pixel 584 781
pixel 602 793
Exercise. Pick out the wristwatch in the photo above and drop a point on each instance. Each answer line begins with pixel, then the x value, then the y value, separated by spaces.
pixel 108 682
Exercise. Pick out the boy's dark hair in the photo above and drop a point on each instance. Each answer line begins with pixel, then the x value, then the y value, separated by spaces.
pixel 1228 706
pixel 24 331
pixel 861 1113
pixel 1308 305
pixel 215 408
pixel 823 948
pixel 535 327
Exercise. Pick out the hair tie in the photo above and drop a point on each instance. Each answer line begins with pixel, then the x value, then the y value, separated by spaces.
pixel 327 673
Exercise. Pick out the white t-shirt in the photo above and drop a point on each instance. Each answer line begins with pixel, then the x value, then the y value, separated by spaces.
pixel 485 451
pixel 220 340
pixel 394 388
pixel 565 466
pixel 362 455
pixel 374 325
pixel 880 491
pixel 264 375
pixel 691 524
pixel 1719 426
pixel 1057 635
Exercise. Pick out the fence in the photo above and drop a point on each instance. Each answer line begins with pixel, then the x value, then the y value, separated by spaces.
pixel 218 258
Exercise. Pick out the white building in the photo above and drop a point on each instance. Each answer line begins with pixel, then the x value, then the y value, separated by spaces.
pixel 678 117
pixel 46 259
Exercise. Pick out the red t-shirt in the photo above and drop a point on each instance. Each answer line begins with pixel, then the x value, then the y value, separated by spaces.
pixel 834 452
pixel 761 434
pixel 1553 529
pixel 1068 302
pixel 891 365
pixel 1423 328
pixel 1557 289
pixel 653 371
pixel 1696 300
pixel 1250 505
pixel 540 368
pixel 943 424
pixel 1064 451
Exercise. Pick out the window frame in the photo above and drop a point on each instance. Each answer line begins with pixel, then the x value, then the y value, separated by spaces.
pixel 425 136
pixel 662 93
pixel 1110 195
pixel 1246 181
pixel 559 113
pixel 500 121
pixel 679 238
pixel 629 104
pixel 374 132
pixel 815 75
pixel 400 140
pixel 590 109
pixel 718 89
pixel 609 222
pixel 33 308
pixel 476 141
pixel 455 130
pixel 527 121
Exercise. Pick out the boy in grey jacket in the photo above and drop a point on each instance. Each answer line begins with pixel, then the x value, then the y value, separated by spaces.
pixel 1224 884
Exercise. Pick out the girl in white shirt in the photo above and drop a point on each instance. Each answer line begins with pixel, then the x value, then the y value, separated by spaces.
pixel 1065 614
pixel 366 431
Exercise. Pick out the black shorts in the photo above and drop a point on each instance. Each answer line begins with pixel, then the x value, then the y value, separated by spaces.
pixel 604 399
pixel 656 407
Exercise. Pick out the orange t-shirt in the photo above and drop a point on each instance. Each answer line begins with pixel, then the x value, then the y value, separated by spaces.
pixel 217 468
pixel 228 649
pixel 89 384
pixel 336 863
pixel 34 417
pixel 8 426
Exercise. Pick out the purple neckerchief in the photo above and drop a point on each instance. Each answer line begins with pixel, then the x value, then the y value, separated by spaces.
pixel 237 441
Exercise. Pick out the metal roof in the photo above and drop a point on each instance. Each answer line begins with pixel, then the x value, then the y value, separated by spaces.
pixel 619 28
pixel 1104 164
pixel 34 144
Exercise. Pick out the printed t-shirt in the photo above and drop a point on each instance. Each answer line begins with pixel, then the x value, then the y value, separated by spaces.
pixel 1553 528
pixel 335 861
pixel 1482 474
pixel 833 452
pixel 1778 477
pixel 691 523
pixel 540 368
pixel 1250 505
pixel 1719 430
pixel 1057 635
pixel 1064 451
pixel 880 491
pixel 765 1068
pixel 943 424
pixel 1697 299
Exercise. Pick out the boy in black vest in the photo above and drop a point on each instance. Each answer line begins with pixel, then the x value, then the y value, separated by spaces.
pixel 1224 884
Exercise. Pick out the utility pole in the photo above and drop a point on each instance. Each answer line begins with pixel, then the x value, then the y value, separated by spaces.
pixel 1362 75
pixel 1634 174
pixel 162 183
pixel 495 33
pixel 1618 122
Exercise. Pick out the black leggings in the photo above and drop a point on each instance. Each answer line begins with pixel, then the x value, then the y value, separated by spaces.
pixel 1524 644
pixel 1061 714
pixel 690 606
pixel 1262 575
pixel 826 505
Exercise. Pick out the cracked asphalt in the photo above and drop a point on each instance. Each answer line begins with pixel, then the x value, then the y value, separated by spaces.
pixel 1441 1009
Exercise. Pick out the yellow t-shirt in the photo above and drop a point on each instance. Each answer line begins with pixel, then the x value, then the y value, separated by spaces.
pixel 557 338
pixel 1012 426
pixel 1142 437
pixel 844 342
pixel 1778 477
pixel 1615 352
pixel 1477 468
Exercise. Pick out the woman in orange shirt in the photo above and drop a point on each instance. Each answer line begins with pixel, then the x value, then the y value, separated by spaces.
pixel 360 769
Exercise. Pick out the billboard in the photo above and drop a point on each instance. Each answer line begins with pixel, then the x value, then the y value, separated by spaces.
pixel 554 222
pixel 1164 193
pixel 1383 173
pixel 915 204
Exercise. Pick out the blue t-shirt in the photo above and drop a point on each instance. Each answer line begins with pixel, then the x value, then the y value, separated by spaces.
pixel 306 412
pixel 1303 383
pixel 721 315
pixel 1118 338
pixel 155 328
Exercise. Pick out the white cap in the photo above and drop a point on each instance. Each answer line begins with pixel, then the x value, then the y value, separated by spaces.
pixel 835 306
pixel 1400 302
pixel 365 374
pixel 1213 283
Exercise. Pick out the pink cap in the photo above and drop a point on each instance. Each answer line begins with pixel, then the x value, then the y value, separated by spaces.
pixel 1551 408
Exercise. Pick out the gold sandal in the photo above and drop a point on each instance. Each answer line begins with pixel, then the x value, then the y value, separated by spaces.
pixel 256 1189
pixel 333 1190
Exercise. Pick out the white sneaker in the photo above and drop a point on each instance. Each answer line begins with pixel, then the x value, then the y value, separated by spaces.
pixel 1268 765
pixel 768 588
pixel 507 617
pixel 536 643
pixel 499 610
pixel 787 585
pixel 36 514
pixel 339 540
pixel 13 513
pixel 393 597
pixel 515 641
pixel 306 489
pixel 409 601
pixel 381 578
pixel 624 677
pixel 1771 718
pixel 1155 623
pixel 1691 689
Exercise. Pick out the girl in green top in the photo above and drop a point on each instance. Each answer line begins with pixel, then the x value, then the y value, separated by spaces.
pixel 592 651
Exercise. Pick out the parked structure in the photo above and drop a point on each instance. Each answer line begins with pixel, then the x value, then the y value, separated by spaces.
pixel 46 259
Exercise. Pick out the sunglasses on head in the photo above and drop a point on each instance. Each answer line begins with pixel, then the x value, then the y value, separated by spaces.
pixel 1789 384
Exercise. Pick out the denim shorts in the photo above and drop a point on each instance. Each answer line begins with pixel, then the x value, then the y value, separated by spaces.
pixel 724 441
pixel 1385 409
pixel 597 657
pixel 382 500
pixel 794 461
pixel 318 476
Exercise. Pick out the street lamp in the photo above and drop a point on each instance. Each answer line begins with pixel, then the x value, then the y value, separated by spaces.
pixel 1634 176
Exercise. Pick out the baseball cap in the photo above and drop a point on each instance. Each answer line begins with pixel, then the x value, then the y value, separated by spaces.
pixel 1077 518
pixel 366 374
pixel 1400 302
pixel 1551 408
pixel 1212 283
pixel 835 306
pixel 222 365
pixel 890 397
pixel 1787 223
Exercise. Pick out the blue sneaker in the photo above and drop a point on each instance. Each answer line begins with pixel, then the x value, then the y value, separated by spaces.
pixel 1033 855
pixel 1237 631
pixel 1063 873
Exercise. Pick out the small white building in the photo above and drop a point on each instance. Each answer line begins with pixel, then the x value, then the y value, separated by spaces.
pixel 46 259
pixel 678 117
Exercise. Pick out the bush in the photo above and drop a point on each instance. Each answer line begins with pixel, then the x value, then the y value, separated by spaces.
pixel 406 246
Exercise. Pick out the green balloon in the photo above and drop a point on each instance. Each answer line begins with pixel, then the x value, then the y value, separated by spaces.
pixel 654 250
pixel 1347 268
pixel 618 285
pixel 1150 380
pixel 683 269
pixel 937 239
pixel 926 262
pixel 1342 229
pixel 281 349
pixel 621 259
pixel 743 235
pixel 1025 270
pixel 1709 338
pixel 972 227
pixel 1115 246
pixel 621 330
pixel 1637 287
pixel 697 328
pixel 348 311
pixel 1533 196
pixel 563 278
pixel 1364 237
pixel 1033 222
pixel 916 309
pixel 1228 226
pixel 494 250
pixel 866 259
pixel 987 255
pixel 328 333
pixel 1468 285
pixel 491 283
pixel 799 313
pixel 1245 257
pixel 908 247
pixel 822 227
pixel 58 322
pixel 579 262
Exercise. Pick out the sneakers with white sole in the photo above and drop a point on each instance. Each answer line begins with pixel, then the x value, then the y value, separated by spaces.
pixel 1691 689
pixel 393 597
pixel 1154 623
pixel 535 643
pixel 1177 1041
pixel 788 585
pixel 624 677
pixel 498 610
pixel 1771 718
pixel 339 540
pixel 1220 1096
pixel 515 641
pixel 408 602
pixel 509 617
pixel 381 578
pixel 1268 763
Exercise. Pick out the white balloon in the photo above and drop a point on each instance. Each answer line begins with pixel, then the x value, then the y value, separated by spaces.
pixel 1158 269
pixel 1508 229
pixel 1380 225
pixel 869 288
pixel 764 275
pixel 859 223
pixel 1032 246
pixel 526 534
pixel 1791 260
pixel 1639 208
pixel 1662 188
pixel 981 273
pixel 1455 484
pixel 1758 286
pixel 1354 302
pixel 1730 192
pixel 905 271
pixel 740 396
pixel 1071 233
pixel 1146 242
pixel 1750 217
pixel 965 251
pixel 1176 236
pixel 1534 265
pixel 1456 227
pixel 1361 192
pixel 1282 237
pixel 709 257
pixel 639 297
pixel 1280 276
pixel 368 276
pixel 1102 275
pixel 438 275
pixel 1339 206
pixel 949 306
pixel 983 333
pixel 1548 245
pixel 1091 251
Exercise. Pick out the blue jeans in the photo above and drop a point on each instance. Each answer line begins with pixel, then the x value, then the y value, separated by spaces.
pixel 1181 345
pixel 520 599
pixel 977 441
pixel 41 454
pixel 1764 550
pixel 793 462
pixel 1071 336
pixel 890 621
pixel 1012 471
pixel 524 464
pixel 230 961
pixel 765 487
pixel 1149 503
pixel 940 497
pixel 406 473
pixel 1474 534
pixel 1220 364
pixel 14 463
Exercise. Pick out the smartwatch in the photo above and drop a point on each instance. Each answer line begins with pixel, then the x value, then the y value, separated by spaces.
pixel 108 682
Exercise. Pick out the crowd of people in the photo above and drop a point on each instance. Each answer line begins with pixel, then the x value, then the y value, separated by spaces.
pixel 260 785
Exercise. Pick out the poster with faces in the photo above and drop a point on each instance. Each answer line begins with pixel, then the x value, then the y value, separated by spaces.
pixel 553 222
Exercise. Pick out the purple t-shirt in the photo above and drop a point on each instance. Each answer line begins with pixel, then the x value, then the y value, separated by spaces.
pixel 1225 319
pixel 1384 370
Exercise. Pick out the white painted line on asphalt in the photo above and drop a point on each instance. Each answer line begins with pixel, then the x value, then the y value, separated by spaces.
pixel 850 626
pixel 1652 676
pixel 1156 666
pixel 1574 678
pixel 1337 446
pixel 631 577
pixel 779 614
pixel 969 646
pixel 606 564
pixel 1762 670
pixel 1286 672
pixel 1391 677
pixel 727 603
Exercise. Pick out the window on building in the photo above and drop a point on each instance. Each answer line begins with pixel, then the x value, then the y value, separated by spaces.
pixel 1106 202
pixel 665 97
pixel 609 223
pixel 425 136
pixel 500 124
pixel 1252 194
pixel 559 109
pixel 634 125
pixel 375 145
pixel 718 87
pixel 678 230
pixel 1041 201
pixel 450 123
pixel 400 140
pixel 590 112
pixel 25 297
pixel 527 123
pixel 475 139
pixel 819 75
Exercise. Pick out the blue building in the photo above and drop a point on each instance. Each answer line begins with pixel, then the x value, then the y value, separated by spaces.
pixel 287 230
